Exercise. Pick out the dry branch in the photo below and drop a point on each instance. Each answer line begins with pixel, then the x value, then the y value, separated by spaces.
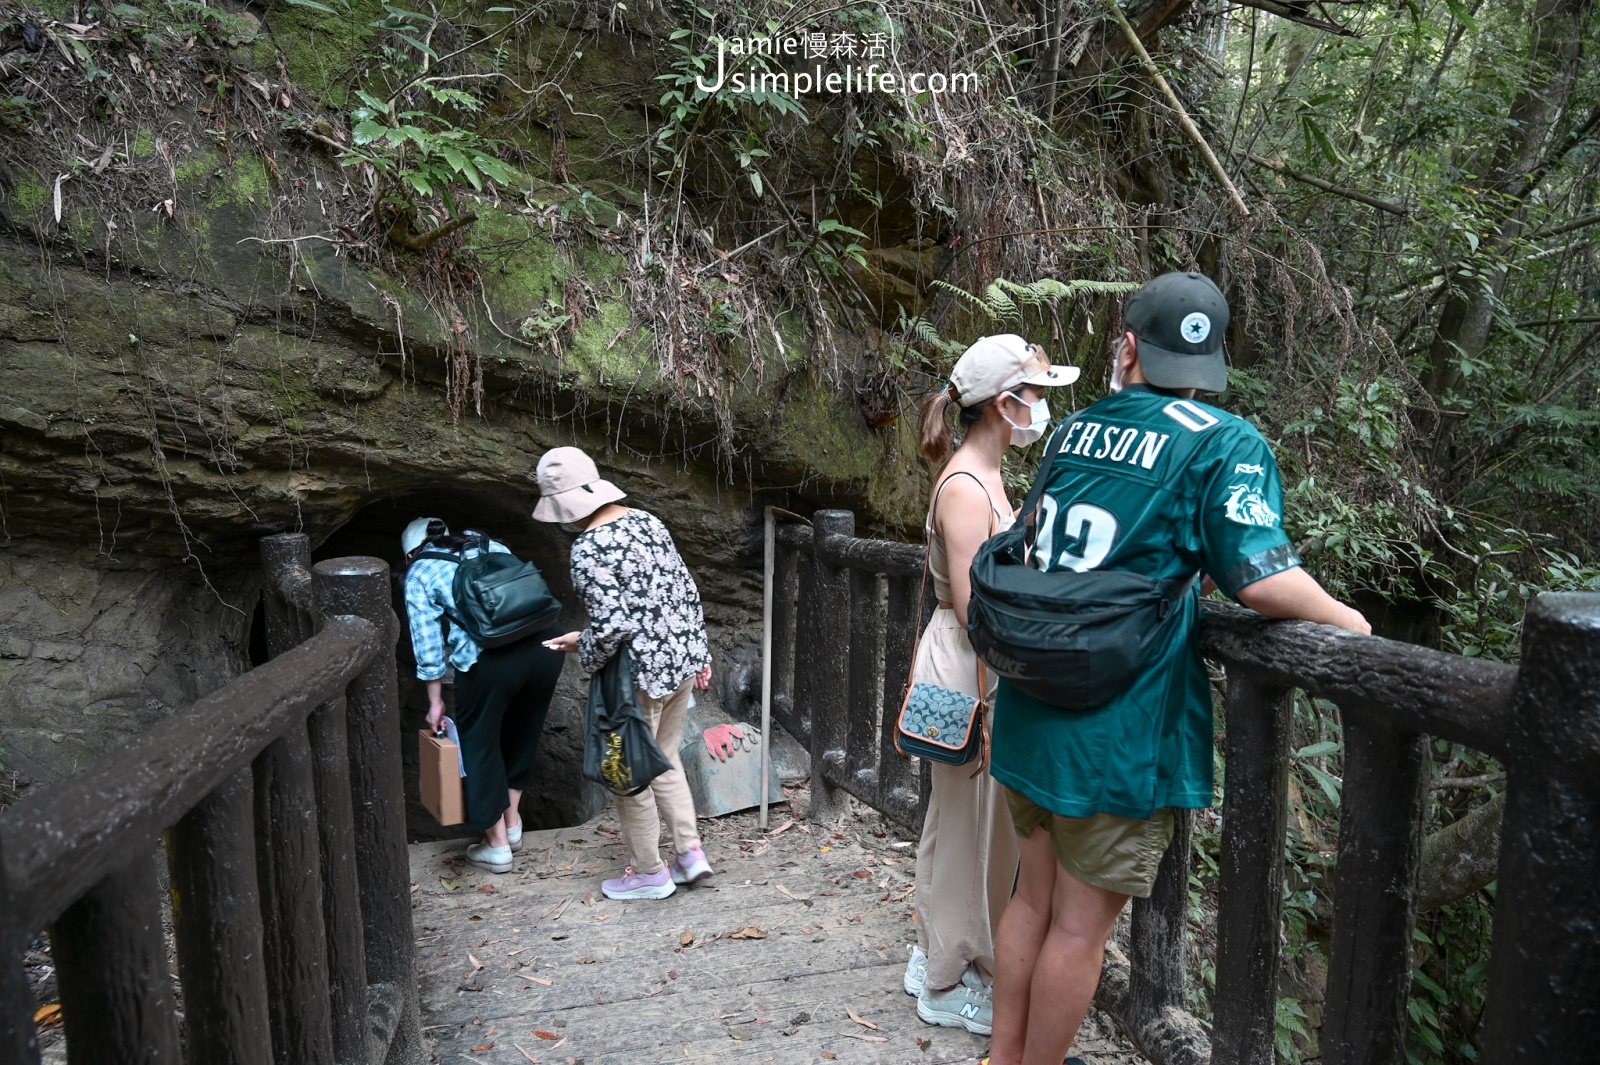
pixel 1327 186
pixel 1189 128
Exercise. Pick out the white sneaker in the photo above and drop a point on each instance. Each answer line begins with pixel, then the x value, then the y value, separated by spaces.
pixel 494 859
pixel 916 971
pixel 514 837
pixel 968 1005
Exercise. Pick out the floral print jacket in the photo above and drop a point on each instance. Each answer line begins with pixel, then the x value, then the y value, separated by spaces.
pixel 637 589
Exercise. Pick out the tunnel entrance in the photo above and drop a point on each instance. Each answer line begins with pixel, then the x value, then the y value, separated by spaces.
pixel 558 796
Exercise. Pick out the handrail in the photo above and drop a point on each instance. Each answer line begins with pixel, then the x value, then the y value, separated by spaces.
pixel 63 840
pixel 845 612
pixel 280 803
pixel 1415 688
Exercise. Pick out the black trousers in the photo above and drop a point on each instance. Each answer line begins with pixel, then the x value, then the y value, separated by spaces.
pixel 500 707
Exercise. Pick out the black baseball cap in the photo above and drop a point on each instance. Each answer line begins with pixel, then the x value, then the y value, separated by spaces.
pixel 1179 319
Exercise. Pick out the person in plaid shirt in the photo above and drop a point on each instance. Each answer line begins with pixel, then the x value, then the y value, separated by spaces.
pixel 502 694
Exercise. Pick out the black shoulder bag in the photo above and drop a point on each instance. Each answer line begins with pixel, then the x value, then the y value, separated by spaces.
pixel 1075 640
pixel 619 749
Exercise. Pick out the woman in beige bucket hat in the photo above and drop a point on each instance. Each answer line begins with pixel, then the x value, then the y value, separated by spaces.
pixel 636 589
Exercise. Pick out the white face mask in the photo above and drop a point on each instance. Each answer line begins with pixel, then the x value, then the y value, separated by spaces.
pixel 1116 375
pixel 1022 436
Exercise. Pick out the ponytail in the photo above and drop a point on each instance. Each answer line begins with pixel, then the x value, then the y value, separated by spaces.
pixel 937 436
pixel 441 539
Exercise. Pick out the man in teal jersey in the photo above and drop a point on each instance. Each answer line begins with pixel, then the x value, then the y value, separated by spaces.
pixel 1147 481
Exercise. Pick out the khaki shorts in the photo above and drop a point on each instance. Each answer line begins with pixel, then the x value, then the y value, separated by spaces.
pixel 1120 854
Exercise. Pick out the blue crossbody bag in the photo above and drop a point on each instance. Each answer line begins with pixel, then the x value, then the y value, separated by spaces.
pixel 938 723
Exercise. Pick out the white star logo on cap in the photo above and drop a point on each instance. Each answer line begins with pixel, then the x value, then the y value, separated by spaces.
pixel 1195 328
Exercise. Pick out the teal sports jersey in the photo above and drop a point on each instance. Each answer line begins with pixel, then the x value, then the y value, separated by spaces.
pixel 1147 483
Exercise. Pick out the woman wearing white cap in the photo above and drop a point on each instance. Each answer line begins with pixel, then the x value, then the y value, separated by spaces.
pixel 967 860
pixel 636 589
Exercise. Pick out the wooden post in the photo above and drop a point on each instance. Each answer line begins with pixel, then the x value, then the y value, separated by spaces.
pixel 825 661
pixel 865 709
pixel 286 591
pixel 1255 811
pixel 341 897
pixel 1154 1007
pixel 1157 942
pixel 111 965
pixel 1545 963
pixel 216 916
pixel 289 871
pixel 901 777
pixel 18 1037
pixel 1374 899
pixel 791 611
pixel 360 586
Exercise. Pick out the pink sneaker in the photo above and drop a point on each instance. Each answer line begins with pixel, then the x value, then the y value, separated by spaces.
pixel 691 866
pixel 632 885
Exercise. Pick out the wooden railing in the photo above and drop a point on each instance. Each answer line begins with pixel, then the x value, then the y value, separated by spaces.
pixel 279 799
pixel 846 612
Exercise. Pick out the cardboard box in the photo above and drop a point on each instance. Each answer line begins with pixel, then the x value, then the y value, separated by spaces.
pixel 439 777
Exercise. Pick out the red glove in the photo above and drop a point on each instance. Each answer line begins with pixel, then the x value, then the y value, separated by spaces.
pixel 720 741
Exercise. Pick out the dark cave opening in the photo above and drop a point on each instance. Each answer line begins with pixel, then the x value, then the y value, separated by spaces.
pixel 558 796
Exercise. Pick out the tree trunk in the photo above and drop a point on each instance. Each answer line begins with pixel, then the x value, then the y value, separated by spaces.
pixel 1461 858
pixel 1555 55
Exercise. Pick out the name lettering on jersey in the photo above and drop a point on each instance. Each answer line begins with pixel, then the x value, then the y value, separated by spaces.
pixel 1245 467
pixel 1247 506
pixel 1189 415
pixel 1114 443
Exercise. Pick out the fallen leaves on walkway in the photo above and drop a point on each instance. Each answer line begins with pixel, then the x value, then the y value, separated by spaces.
pixel 854 1016
pixel 46 1014
pixel 542 1034
pixel 750 932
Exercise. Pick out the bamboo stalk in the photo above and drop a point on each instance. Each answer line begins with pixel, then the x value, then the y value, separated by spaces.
pixel 1189 128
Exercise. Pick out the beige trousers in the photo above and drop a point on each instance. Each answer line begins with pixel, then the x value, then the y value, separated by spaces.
pixel 667 794
pixel 967 860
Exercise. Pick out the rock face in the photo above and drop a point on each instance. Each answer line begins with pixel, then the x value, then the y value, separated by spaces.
pixel 152 428
pixel 181 379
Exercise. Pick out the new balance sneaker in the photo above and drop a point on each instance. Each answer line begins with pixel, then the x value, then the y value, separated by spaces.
pixel 968 1005
pixel 633 885
pixel 690 867
pixel 494 859
pixel 514 837
pixel 916 971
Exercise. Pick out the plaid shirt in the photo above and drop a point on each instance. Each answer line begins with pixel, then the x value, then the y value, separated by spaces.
pixel 430 584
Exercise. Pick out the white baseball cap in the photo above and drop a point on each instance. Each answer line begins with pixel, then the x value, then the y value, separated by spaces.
pixel 415 533
pixel 996 364
pixel 570 487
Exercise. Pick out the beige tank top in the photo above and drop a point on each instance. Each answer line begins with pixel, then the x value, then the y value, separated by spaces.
pixel 938 563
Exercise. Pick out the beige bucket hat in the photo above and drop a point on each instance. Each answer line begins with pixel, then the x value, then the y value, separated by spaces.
pixel 570 487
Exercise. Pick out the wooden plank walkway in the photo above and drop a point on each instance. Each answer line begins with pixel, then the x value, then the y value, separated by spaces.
pixel 765 962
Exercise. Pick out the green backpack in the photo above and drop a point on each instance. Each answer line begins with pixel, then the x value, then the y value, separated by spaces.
pixel 499 598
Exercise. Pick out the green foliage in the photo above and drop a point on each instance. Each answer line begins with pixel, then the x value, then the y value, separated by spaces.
pixel 414 128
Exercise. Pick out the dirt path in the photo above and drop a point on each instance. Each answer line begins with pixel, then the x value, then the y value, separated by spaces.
pixel 792 953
